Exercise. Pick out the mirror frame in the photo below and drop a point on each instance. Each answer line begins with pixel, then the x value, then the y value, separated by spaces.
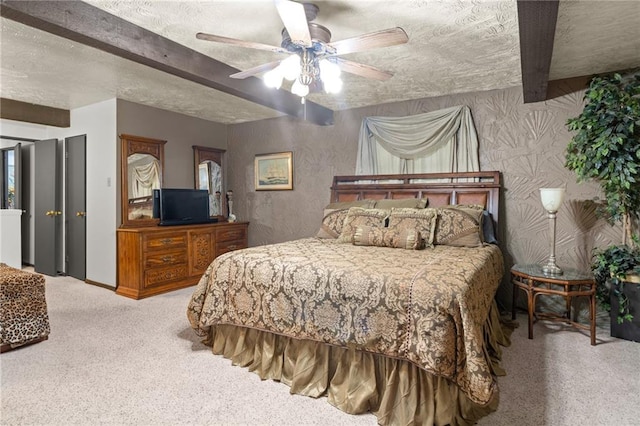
pixel 137 145
pixel 204 153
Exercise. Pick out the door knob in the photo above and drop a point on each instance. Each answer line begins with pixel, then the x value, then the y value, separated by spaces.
pixel 81 214
pixel 50 213
pixel 58 212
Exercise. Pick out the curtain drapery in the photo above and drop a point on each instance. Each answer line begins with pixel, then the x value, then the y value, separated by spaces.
pixel 438 141
pixel 146 179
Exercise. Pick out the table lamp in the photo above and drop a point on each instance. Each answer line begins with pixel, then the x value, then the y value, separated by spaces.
pixel 551 200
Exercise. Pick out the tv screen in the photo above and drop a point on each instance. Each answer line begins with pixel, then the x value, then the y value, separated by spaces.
pixel 177 206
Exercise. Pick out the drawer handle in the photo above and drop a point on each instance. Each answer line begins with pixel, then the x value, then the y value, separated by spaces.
pixel 167 259
pixel 232 247
pixel 166 241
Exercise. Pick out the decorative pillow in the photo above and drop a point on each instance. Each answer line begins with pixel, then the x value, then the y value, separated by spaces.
pixel 459 226
pixel 411 203
pixel 386 237
pixel 488 230
pixel 421 220
pixel 334 215
pixel 464 206
pixel 358 216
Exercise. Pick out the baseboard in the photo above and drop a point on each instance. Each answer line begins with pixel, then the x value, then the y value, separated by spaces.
pixel 97 284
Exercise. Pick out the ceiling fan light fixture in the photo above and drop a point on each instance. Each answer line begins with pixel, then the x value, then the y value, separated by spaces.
pixel 332 85
pixel 328 70
pixel 299 89
pixel 312 64
pixel 273 78
pixel 290 67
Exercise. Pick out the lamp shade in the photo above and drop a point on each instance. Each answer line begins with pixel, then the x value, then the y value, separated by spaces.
pixel 551 198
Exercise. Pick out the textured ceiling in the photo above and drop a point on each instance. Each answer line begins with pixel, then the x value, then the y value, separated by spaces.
pixel 455 46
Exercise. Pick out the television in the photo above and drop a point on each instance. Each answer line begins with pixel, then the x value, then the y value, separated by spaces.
pixel 178 206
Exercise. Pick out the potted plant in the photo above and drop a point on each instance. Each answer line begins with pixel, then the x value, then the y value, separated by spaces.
pixel 614 268
pixel 606 148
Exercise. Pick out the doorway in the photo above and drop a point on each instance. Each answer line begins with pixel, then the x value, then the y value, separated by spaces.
pixel 59 206
pixel 11 178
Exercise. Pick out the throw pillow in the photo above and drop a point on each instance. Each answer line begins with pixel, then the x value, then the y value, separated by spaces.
pixel 385 237
pixel 459 226
pixel 358 216
pixel 412 203
pixel 421 220
pixel 334 215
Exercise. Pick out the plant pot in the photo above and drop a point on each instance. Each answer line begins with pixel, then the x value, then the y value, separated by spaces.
pixel 628 330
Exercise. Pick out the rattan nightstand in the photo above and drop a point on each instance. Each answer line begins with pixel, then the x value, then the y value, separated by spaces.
pixel 570 284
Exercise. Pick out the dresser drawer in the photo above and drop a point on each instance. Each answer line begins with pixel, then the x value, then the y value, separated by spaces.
pixel 231 234
pixel 162 259
pixel 165 241
pixel 226 246
pixel 157 277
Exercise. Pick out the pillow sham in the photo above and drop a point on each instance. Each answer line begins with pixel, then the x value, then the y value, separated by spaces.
pixel 459 226
pixel 366 204
pixel 412 203
pixel 385 237
pixel 465 206
pixel 421 220
pixel 334 215
pixel 359 216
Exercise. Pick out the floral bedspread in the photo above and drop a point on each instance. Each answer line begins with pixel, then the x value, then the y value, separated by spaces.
pixel 425 306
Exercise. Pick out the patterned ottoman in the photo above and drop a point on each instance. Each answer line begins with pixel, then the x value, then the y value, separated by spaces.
pixel 23 308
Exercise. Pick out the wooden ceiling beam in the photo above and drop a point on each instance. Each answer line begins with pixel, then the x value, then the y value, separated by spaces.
pixel 537 25
pixel 83 23
pixel 31 113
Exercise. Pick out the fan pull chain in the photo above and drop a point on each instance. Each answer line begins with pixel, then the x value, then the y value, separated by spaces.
pixel 304 108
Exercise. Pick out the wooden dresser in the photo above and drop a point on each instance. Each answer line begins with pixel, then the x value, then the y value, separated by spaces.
pixel 157 259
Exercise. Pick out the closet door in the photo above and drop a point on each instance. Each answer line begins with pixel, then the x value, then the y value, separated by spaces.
pixel 46 213
pixel 75 207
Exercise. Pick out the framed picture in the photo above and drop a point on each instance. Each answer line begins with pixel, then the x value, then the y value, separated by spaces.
pixel 274 171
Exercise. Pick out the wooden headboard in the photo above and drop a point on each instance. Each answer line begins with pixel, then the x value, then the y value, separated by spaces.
pixel 440 188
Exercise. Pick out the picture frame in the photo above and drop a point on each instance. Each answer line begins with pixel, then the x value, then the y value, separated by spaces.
pixel 274 172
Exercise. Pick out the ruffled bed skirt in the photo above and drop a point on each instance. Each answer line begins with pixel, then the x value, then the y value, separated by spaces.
pixel 396 391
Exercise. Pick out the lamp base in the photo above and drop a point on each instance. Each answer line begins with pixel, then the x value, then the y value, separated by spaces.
pixel 552 269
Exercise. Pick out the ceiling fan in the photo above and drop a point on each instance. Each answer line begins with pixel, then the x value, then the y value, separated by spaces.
pixel 313 62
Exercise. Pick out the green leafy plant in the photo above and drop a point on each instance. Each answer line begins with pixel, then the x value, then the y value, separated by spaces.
pixel 610 268
pixel 606 148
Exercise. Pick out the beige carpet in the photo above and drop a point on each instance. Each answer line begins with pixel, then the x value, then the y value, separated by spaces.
pixel 112 360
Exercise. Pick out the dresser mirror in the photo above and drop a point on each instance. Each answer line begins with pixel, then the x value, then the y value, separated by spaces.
pixel 141 166
pixel 208 172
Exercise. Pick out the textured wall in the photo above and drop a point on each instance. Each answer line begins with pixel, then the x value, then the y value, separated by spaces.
pixel 526 142
pixel 180 131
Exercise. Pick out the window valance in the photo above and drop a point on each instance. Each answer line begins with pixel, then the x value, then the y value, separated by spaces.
pixel 438 141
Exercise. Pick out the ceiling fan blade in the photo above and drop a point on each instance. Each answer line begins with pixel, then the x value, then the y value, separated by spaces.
pixel 241 43
pixel 255 70
pixel 383 38
pixel 294 19
pixel 363 70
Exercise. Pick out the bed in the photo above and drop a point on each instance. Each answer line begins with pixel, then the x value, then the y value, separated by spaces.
pixel 394 319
